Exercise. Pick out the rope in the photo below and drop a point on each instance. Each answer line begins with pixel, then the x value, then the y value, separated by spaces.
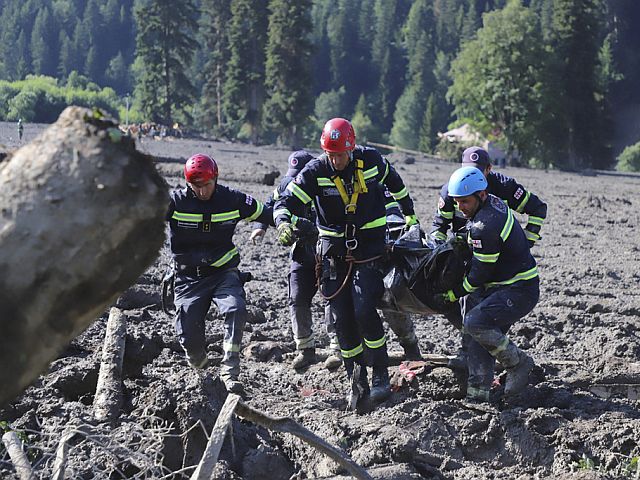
pixel 348 259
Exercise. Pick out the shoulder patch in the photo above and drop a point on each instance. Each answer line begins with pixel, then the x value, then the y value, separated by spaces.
pixel 519 193
pixel 387 193
pixel 298 179
pixel 249 200
pixel 476 243
pixel 441 203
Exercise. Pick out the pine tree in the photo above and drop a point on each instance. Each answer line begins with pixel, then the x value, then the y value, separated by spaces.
pixel 216 15
pixel 165 44
pixel 287 70
pixel 576 41
pixel 43 43
pixel 244 83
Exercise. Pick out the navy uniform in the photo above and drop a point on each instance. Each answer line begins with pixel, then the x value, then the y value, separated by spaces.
pixel 206 260
pixel 508 189
pixel 351 220
pixel 302 276
pixel 501 286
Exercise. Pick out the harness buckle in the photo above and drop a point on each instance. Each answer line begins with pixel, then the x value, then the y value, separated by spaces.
pixel 198 272
pixel 349 208
pixel 351 243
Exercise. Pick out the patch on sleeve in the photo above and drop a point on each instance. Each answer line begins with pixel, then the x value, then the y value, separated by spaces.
pixel 387 193
pixel 298 179
pixel 249 200
pixel 476 243
pixel 441 203
pixel 519 193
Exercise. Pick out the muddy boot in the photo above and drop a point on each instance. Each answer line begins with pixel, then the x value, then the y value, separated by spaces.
pixel 199 363
pixel 459 362
pixel 380 387
pixel 305 358
pixel 477 394
pixel 232 384
pixel 518 375
pixel 333 361
pixel 412 351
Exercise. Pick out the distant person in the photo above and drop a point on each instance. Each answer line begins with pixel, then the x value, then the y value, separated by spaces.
pixel 302 268
pixel 343 185
pixel 449 216
pixel 20 129
pixel 202 219
pixel 500 287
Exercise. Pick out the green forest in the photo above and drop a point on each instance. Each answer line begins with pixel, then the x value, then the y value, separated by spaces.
pixel 554 83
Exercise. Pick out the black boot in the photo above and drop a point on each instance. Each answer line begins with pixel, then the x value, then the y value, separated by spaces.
pixel 412 351
pixel 518 375
pixel 380 387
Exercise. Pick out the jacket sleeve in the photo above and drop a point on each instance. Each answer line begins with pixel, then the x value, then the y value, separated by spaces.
pixel 253 210
pixel 443 218
pixel 523 201
pixel 395 185
pixel 298 194
pixel 268 205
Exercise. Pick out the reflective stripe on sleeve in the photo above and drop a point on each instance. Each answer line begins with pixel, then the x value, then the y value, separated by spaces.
pixel 401 194
pixel 508 225
pixel 257 213
pixel 225 258
pixel 535 220
pixel 528 275
pixel 487 257
pixel 299 193
pixel 524 201
pixel 378 222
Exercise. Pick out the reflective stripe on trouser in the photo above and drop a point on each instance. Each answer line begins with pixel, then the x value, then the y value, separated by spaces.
pixel 193 297
pixel 487 319
pixel 358 325
pixel 402 325
pixel 302 288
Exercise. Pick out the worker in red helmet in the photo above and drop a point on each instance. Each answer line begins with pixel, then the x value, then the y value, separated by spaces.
pixel 344 186
pixel 202 219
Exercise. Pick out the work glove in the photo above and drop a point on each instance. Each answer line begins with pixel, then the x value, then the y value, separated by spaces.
pixel 410 220
pixel 257 236
pixel 286 234
pixel 449 297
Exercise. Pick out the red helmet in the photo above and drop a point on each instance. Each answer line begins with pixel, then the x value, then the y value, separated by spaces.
pixel 200 168
pixel 338 136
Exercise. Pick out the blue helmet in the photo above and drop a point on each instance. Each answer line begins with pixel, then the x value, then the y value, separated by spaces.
pixel 466 181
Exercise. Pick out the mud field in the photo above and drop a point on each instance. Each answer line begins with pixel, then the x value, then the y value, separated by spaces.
pixel 579 419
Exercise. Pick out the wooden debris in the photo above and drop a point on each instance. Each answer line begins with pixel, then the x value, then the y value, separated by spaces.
pixel 108 397
pixel 20 462
pixel 210 455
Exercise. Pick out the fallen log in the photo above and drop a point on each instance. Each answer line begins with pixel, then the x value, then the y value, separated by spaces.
pixel 20 462
pixel 60 463
pixel 288 425
pixel 205 468
pixel 82 216
pixel 108 397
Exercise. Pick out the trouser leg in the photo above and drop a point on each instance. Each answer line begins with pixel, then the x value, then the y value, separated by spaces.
pixel 402 325
pixel 488 322
pixel 302 288
pixel 229 296
pixel 367 288
pixel 192 300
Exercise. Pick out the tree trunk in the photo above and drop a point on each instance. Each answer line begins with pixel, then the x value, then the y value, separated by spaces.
pixel 81 217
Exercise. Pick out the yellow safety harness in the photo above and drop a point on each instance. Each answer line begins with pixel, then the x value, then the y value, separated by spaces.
pixel 350 205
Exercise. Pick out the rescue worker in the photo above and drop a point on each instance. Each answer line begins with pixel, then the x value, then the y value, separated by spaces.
pixel 302 275
pixel 501 285
pixel 448 215
pixel 202 218
pixel 20 129
pixel 508 189
pixel 343 185
pixel 400 323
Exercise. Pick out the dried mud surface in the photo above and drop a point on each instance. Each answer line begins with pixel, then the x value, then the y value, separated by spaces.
pixel 578 420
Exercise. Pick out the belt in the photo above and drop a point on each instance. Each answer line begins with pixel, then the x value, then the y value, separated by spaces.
pixel 199 271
